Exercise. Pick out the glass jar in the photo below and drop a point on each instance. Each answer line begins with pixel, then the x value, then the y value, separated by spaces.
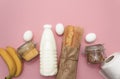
pixel 27 51
pixel 95 53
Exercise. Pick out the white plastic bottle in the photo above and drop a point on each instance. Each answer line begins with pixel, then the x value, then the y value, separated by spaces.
pixel 48 53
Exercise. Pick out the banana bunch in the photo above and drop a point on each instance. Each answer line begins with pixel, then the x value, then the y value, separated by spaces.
pixel 13 61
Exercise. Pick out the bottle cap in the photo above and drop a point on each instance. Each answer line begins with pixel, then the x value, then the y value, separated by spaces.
pixel 47 26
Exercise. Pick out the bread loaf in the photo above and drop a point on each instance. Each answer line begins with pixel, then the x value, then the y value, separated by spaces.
pixel 70 52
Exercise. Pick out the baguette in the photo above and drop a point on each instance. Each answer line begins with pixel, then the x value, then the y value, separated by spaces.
pixel 70 52
pixel 72 36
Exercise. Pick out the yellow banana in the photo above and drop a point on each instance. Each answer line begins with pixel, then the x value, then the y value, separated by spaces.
pixel 10 63
pixel 12 52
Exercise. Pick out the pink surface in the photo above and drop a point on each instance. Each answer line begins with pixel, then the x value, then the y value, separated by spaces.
pixel 99 16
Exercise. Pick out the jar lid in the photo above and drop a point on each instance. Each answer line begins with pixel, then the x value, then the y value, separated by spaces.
pixel 26 47
pixel 96 47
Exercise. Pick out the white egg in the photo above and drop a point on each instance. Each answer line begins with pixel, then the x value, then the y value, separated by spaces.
pixel 59 29
pixel 28 35
pixel 90 37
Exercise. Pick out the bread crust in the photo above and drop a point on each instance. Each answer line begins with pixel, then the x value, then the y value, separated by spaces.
pixel 72 36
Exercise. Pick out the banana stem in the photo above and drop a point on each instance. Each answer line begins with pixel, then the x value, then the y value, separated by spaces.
pixel 8 77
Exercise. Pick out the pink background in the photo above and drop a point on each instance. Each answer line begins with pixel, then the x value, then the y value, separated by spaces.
pixel 99 16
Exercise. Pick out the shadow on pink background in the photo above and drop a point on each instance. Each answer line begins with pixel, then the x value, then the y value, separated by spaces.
pixel 99 16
